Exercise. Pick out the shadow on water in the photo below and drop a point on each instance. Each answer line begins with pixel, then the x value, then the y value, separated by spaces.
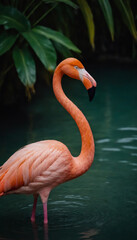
pixel 102 204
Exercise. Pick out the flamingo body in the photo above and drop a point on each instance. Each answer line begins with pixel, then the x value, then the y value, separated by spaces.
pixel 39 167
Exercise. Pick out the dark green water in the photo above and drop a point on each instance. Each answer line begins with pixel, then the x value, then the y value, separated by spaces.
pixel 102 204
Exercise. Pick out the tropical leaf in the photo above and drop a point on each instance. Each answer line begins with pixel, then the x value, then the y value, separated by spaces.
pixel 68 2
pixel 6 41
pixel 127 16
pixel 56 36
pixel 11 18
pixel 88 16
pixel 25 66
pixel 43 48
pixel 107 11
pixel 65 52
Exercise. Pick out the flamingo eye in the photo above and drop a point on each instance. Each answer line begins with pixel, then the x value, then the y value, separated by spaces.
pixel 80 71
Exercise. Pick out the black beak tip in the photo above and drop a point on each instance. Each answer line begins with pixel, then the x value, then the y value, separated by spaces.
pixel 91 93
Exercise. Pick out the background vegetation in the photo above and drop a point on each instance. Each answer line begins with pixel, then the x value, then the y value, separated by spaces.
pixel 36 34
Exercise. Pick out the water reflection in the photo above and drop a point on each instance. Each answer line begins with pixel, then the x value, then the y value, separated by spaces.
pixel 89 234
pixel 44 232
pixel 35 232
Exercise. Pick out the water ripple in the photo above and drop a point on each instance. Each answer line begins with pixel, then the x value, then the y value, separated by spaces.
pixel 123 161
pixel 128 129
pixel 132 202
pixel 103 140
pixel 65 215
pixel 68 203
pixel 133 154
pixel 76 197
pixel 133 164
pixel 126 140
pixel 111 149
pixel 103 160
pixel 130 147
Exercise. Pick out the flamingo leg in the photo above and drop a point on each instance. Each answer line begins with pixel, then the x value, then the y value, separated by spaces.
pixel 45 213
pixel 34 208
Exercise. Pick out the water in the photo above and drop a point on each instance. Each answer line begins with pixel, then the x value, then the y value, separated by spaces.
pixel 102 204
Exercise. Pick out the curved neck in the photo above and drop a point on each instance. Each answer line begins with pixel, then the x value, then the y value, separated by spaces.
pixel 85 159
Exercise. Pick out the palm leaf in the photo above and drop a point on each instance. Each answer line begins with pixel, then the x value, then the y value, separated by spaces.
pixel 11 18
pixel 127 16
pixel 6 41
pixel 68 2
pixel 25 66
pixel 65 52
pixel 88 16
pixel 56 36
pixel 43 48
pixel 107 11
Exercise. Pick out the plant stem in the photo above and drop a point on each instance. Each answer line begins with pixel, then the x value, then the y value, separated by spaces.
pixel 7 70
pixel 45 14
pixel 28 6
pixel 34 9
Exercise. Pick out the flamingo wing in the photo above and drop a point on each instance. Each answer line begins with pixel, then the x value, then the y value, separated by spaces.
pixel 44 163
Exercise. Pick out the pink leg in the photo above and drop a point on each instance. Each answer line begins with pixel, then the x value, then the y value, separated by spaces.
pixel 34 208
pixel 45 213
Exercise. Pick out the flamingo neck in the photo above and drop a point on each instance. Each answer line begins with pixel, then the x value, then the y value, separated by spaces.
pixel 81 163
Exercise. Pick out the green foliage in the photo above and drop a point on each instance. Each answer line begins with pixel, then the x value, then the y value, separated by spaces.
pixel 57 37
pixel 124 8
pixel 20 38
pixel 107 11
pixel 127 16
pixel 43 48
pixel 25 66
pixel 11 18
pixel 88 16
pixel 68 2
pixel 7 40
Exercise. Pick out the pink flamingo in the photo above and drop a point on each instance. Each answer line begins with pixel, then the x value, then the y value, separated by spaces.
pixel 39 167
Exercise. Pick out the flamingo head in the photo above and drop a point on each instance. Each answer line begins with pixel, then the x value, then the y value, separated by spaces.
pixel 75 69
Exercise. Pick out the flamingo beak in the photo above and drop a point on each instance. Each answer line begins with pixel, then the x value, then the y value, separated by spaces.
pixel 89 82
pixel 91 93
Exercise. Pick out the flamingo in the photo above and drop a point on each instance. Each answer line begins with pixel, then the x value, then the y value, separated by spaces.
pixel 39 167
